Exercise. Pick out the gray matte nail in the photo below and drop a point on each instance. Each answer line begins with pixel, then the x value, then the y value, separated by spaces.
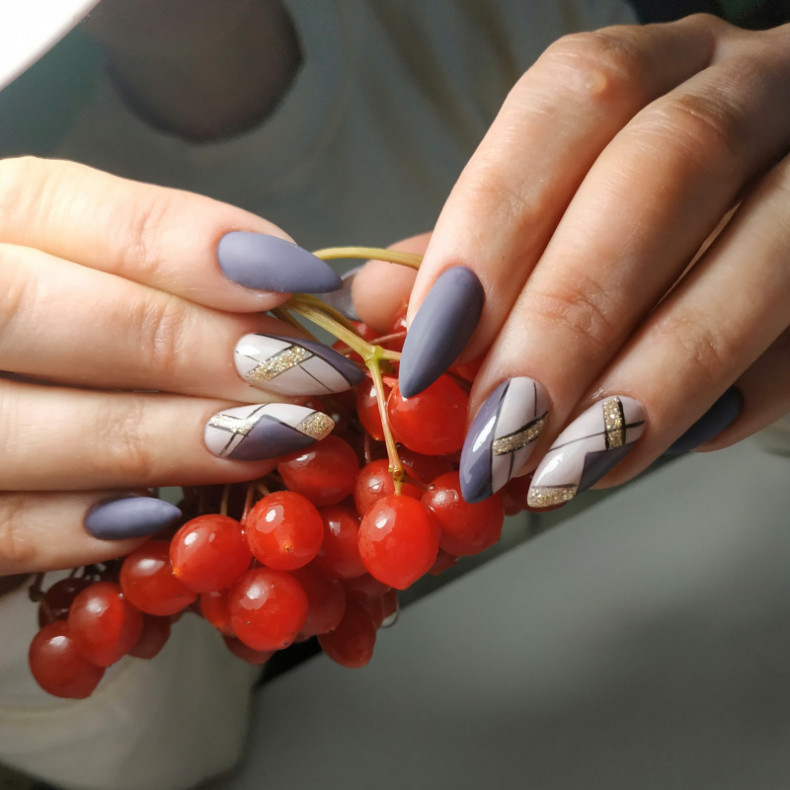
pixel 130 517
pixel 713 422
pixel 441 329
pixel 268 263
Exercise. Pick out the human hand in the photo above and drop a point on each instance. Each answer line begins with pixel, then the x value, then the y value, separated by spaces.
pixel 123 306
pixel 563 257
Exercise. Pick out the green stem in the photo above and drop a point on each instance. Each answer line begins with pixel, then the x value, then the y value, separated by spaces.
pixel 410 259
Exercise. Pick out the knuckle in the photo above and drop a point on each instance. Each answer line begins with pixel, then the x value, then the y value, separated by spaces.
pixel 161 326
pixel 125 449
pixel 708 350
pixel 145 226
pixel 18 292
pixel 584 310
pixel 705 131
pixel 18 550
pixel 603 65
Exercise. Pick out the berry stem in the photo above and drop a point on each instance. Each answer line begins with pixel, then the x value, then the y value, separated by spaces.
pixel 410 259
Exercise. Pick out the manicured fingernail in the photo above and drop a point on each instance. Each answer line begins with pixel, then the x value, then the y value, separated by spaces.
pixel 342 299
pixel 444 323
pixel 268 263
pixel 252 433
pixel 130 517
pixel 294 367
pixel 502 437
pixel 595 442
pixel 713 422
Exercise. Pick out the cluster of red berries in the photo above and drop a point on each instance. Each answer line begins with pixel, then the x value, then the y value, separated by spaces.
pixel 320 548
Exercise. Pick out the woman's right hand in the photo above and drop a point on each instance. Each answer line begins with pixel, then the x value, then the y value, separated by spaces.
pixel 121 311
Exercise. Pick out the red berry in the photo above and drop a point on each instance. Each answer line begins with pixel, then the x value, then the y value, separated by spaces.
pixel 209 553
pixel 246 653
pixel 103 624
pixel 154 636
pixel 365 586
pixel 424 468
pixel 214 607
pixel 433 422
pixel 444 561
pixel 464 528
pixel 368 410
pixel 58 667
pixel 326 599
pixel 398 540
pixel 339 552
pixel 267 608
pixel 147 580
pixel 514 494
pixel 325 472
pixel 351 643
pixel 58 598
pixel 374 481
pixel 284 530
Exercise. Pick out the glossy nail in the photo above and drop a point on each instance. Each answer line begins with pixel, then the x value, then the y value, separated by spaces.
pixel 713 422
pixel 258 431
pixel 441 329
pixel 130 517
pixel 294 367
pixel 268 263
pixel 502 437
pixel 586 450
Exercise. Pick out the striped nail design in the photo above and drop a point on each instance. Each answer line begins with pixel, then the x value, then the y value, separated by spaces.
pixel 258 431
pixel 294 367
pixel 586 450
pixel 502 437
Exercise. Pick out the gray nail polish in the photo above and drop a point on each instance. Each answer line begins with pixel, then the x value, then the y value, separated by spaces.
pixel 501 437
pixel 130 517
pixel 259 431
pixel 441 329
pixel 268 263
pixel 713 422
pixel 294 366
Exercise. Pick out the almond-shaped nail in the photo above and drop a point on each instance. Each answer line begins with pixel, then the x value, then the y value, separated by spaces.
pixel 130 517
pixel 259 431
pixel 595 442
pixel 718 417
pixel 441 329
pixel 501 437
pixel 268 263
pixel 294 367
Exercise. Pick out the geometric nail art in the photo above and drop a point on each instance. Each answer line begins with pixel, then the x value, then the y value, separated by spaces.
pixel 586 450
pixel 502 437
pixel 258 431
pixel 291 367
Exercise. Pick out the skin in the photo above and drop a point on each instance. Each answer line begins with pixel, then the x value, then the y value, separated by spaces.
pixel 610 164
pixel 615 160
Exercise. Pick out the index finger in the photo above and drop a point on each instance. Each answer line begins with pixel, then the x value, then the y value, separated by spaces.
pixel 179 242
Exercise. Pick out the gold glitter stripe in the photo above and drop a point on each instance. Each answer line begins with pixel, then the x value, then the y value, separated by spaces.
pixel 614 423
pixel 274 366
pixel 240 426
pixel 547 496
pixel 317 425
pixel 515 441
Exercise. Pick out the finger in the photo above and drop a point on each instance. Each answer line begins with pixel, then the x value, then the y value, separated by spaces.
pixel 507 202
pixel 114 333
pixel 381 290
pixel 701 340
pixel 60 439
pixel 176 241
pixel 643 211
pixel 48 531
